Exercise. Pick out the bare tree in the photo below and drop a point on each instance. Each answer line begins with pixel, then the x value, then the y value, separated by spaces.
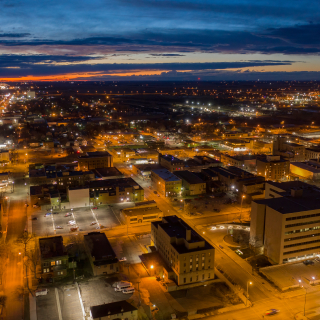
pixel 25 240
pixel 77 240
pixel 33 259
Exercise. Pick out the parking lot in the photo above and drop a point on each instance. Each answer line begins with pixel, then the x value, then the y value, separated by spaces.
pixel 85 219
pixel 293 275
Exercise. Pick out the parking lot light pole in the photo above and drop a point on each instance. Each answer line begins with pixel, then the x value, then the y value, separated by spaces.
pixel 248 282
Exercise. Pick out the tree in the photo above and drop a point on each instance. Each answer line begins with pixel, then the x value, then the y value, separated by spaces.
pixel 78 244
pixel 25 240
pixel 33 259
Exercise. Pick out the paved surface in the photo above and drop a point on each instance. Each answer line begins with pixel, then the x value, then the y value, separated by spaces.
pixel 47 306
pixel 69 303
pixel 289 274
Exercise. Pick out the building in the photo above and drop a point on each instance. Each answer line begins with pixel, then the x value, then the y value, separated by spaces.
pixel 292 151
pixel 54 259
pixel 170 162
pixel 190 257
pixel 286 223
pixel 243 161
pixel 94 160
pixel 107 173
pixel 273 167
pixel 4 156
pixel 143 212
pixel 312 153
pixel 103 260
pixel 306 170
pixel 144 170
pixel 165 182
pixel 114 311
pixel 191 183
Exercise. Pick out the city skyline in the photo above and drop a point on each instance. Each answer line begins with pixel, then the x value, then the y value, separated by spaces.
pixel 159 40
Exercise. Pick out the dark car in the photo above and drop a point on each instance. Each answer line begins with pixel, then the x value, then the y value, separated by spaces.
pixel 56 213
pixel 308 262
pixel 34 218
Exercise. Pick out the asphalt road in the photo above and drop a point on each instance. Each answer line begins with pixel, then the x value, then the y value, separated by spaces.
pixel 14 275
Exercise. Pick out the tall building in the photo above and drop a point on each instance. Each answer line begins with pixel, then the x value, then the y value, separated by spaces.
pixel 190 257
pixel 94 160
pixel 273 167
pixel 287 222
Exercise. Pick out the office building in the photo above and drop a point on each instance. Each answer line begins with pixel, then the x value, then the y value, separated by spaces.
pixel 166 183
pixel 273 167
pixel 286 224
pixel 186 253
pixel 94 160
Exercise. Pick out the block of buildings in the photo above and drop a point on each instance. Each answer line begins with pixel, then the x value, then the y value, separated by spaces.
pixel 93 160
pixel 290 150
pixel 54 259
pixel 273 167
pixel 107 173
pixel 102 258
pixel 286 223
pixel 165 182
pixel 306 170
pixel 114 311
pixel 191 183
pixel 143 212
pixel 189 258
pixel 170 162
pixel 246 162
pixel 312 153
pixel 144 170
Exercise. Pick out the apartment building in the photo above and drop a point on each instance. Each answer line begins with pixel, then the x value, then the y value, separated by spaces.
pixel 287 222
pixel 54 259
pixel 94 160
pixel 170 162
pixel 165 182
pixel 191 184
pixel 273 167
pixel 190 257
pixel 102 258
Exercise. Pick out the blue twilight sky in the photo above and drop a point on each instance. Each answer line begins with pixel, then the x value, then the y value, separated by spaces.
pixel 159 39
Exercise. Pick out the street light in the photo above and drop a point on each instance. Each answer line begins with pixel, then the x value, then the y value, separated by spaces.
pixel 248 282
pixel 243 196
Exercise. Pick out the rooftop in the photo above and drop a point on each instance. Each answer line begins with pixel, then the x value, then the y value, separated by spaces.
pixel 51 247
pixel 166 175
pixel 105 310
pixel 171 158
pixel 188 176
pixel 100 248
pixel 97 154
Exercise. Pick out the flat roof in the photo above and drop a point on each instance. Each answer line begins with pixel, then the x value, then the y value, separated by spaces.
pixel 170 158
pixel 121 182
pixel 105 310
pixel 95 154
pixel 188 176
pixel 312 167
pixel 107 172
pixel 166 175
pixel 100 248
pixel 51 247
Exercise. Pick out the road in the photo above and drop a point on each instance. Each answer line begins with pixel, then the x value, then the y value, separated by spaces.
pixel 14 275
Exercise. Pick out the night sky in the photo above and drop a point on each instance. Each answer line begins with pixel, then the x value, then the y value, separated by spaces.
pixel 159 40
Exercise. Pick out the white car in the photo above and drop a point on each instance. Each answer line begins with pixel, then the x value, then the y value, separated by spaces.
pixel 71 223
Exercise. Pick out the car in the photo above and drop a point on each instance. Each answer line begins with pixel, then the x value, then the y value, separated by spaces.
pixel 71 222
pixel 35 206
pixel 68 214
pixel 56 212
pixel 122 259
pixel 308 262
pixel 47 214
pixel 59 227
pixel 95 208
pixel 34 218
pixel 73 229
pixel 272 312
pixel 158 195
pixel 155 192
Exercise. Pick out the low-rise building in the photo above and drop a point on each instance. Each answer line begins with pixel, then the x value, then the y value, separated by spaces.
pixel 286 223
pixel 273 167
pixel 312 153
pixel 165 182
pixel 170 162
pixel 306 170
pixel 143 212
pixel 54 259
pixel 190 257
pixel 114 311
pixel 93 160
pixel 103 260
pixel 4 156
pixel 144 170
pixel 243 161
pixel 191 184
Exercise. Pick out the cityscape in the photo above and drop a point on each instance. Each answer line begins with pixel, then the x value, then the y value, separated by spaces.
pixel 159 160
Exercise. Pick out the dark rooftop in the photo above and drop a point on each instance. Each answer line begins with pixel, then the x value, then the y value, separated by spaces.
pixel 100 248
pixel 188 176
pixel 51 247
pixel 96 154
pixel 105 310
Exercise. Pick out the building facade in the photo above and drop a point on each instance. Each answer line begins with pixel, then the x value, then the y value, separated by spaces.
pixel 166 183
pixel 273 167
pixel 94 160
pixel 189 256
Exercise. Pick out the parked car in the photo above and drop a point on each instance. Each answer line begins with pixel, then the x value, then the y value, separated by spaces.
pixel 308 262
pixel 35 206
pixel 155 192
pixel 73 229
pixel 59 227
pixel 122 259
pixel 71 222
pixel 68 214
pixel 47 214
pixel 271 312
pixel 34 218
pixel 56 212
pixel 95 208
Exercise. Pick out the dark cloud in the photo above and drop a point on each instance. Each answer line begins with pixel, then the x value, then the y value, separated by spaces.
pixel 14 35
pixel 20 68
pixel 166 55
